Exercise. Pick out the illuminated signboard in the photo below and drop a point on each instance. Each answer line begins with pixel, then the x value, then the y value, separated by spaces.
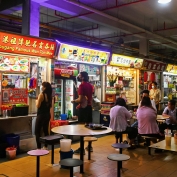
pixel 83 55
pixel 125 61
pixel 154 65
pixel 12 43
pixel 171 69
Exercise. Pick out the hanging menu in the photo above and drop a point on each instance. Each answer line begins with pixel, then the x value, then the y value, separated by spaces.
pixel 85 55
pixel 125 61
pixel 14 63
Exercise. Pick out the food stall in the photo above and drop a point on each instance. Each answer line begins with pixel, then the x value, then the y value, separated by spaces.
pixel 170 82
pixel 24 64
pixel 122 81
pixel 80 59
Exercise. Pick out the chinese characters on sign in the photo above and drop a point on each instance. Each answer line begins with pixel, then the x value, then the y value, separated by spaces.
pixel 154 65
pixel 121 60
pixel 80 54
pixel 13 43
pixel 14 96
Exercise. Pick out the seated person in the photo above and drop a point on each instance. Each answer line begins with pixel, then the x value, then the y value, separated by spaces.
pixel 146 116
pixel 145 93
pixel 119 117
pixel 171 111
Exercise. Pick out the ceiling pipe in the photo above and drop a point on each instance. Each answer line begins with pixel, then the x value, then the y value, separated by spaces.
pixel 51 28
pixel 88 13
pixel 119 20
pixel 88 29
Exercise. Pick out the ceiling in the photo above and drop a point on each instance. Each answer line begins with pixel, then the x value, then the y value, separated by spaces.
pixel 119 25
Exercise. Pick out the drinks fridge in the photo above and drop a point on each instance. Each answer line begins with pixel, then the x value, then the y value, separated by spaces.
pixel 64 94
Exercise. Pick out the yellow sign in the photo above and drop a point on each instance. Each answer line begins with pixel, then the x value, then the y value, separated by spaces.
pixel 172 69
pixel 125 61
pixel 83 55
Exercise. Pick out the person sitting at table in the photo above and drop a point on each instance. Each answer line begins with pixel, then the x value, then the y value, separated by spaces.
pixel 146 116
pixel 119 121
pixel 171 111
pixel 145 93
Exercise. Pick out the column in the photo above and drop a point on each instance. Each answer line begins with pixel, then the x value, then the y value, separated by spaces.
pixel 30 18
pixel 144 47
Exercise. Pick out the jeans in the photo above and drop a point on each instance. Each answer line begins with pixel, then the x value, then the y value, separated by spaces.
pixel 135 124
pixel 42 121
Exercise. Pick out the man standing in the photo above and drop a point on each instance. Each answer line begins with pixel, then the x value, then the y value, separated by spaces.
pixel 85 92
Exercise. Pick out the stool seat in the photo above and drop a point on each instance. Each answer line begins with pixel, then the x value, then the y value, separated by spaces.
pixel 38 152
pixel 71 162
pixel 120 145
pixel 118 157
pixel 90 138
pixel 51 139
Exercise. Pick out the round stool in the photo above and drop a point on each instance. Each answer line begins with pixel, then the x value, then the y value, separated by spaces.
pixel 71 163
pixel 119 158
pixel 120 146
pixel 37 153
pixel 89 140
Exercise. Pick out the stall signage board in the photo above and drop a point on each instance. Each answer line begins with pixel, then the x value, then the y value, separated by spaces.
pixel 12 43
pixel 126 61
pixel 171 69
pixel 83 55
pixel 65 72
pixel 14 64
pixel 14 96
pixel 154 65
pixel 90 69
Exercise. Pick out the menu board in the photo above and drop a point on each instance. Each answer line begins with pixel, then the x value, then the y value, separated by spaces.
pixel 90 69
pixel 154 65
pixel 14 96
pixel 172 68
pixel 85 55
pixel 19 44
pixel 125 61
pixel 14 63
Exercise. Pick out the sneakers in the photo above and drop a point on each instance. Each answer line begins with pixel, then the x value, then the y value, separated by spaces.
pixel 78 151
pixel 91 149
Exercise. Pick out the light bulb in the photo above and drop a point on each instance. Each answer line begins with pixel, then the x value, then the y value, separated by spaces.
pixel 164 1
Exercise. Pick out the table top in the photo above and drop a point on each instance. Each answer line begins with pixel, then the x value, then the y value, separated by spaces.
pixel 38 152
pixel 79 130
pixel 17 117
pixel 159 117
pixel 162 145
pixel 120 145
pixel 69 162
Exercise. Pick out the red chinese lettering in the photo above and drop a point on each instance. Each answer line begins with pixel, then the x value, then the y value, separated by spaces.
pixel 13 40
pixel 5 39
pixel 41 45
pixel 47 46
pixel 21 41
pixel 52 47
pixel 27 43
pixel 35 44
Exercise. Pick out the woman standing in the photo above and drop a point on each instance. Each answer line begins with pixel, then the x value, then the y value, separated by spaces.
pixel 155 94
pixel 43 104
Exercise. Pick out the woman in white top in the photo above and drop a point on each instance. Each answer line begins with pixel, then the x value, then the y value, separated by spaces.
pixel 119 121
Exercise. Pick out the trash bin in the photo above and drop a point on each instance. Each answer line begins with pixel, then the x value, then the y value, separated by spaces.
pixel 13 140
pixel 66 155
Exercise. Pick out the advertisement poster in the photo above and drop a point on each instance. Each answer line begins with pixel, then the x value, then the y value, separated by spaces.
pixel 125 61
pixel 171 69
pixel 14 63
pixel 65 72
pixel 18 44
pixel 80 54
pixel 14 96
pixel 90 69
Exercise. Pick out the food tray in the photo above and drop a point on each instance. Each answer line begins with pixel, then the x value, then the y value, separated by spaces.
pixel 96 128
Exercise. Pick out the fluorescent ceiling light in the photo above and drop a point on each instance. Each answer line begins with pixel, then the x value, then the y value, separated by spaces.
pixel 164 1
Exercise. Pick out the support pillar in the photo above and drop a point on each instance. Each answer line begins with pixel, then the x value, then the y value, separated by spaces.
pixel 30 18
pixel 144 47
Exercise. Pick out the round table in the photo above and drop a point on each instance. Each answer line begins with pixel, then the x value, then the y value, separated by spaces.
pixel 79 130
pixel 161 117
pixel 37 153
